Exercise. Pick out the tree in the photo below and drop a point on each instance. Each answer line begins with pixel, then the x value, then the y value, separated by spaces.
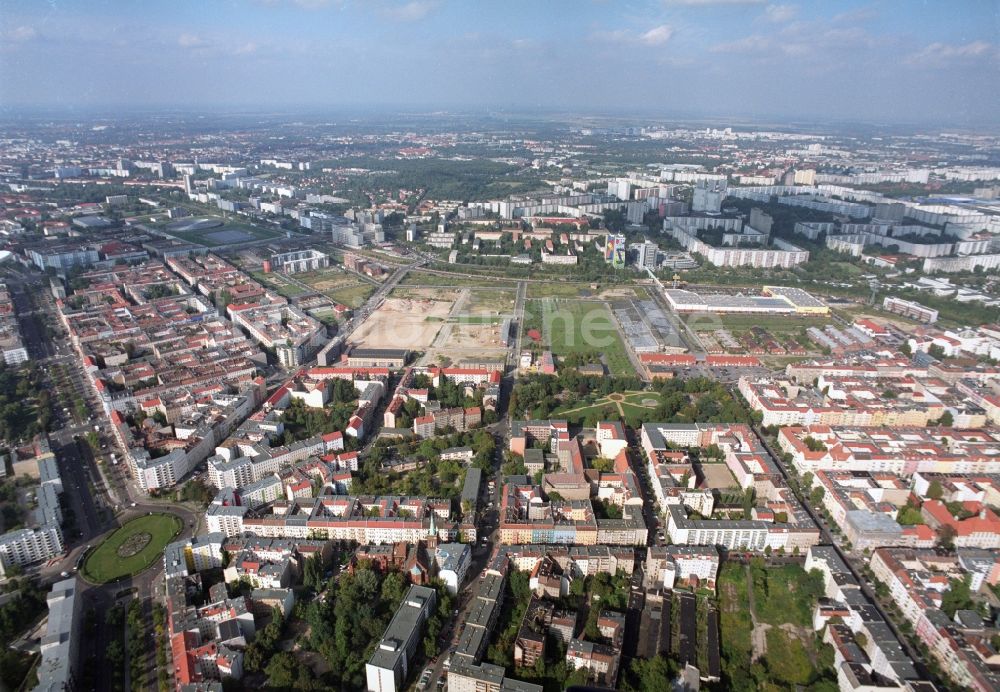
pixel 813 445
pixel 909 516
pixel 312 573
pixel 393 588
pixel 651 675
pixel 817 494
pixel 946 420
pixel 748 501
pixel 934 490
pixel 946 537
pixel 282 669
pixel 936 351
pixel 579 677
pixel 957 597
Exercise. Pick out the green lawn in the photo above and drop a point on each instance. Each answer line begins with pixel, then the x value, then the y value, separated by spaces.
pixel 631 406
pixel 106 564
pixel 776 323
pixel 417 278
pixel 561 289
pixel 586 328
pixel 478 319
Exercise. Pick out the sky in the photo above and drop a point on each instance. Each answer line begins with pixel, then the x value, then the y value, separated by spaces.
pixel 879 61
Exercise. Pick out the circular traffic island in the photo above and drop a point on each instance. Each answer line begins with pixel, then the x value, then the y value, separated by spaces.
pixel 131 549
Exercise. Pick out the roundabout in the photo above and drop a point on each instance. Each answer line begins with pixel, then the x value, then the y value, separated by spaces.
pixel 132 548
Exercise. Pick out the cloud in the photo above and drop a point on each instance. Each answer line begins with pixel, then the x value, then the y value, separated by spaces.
pixel 810 40
pixel 246 49
pixel 412 11
pixel 657 36
pixel 20 34
pixel 862 14
pixel 780 13
pixel 191 41
pixel 944 54
pixel 710 3
pixel 615 36
pixel 750 44
pixel 302 4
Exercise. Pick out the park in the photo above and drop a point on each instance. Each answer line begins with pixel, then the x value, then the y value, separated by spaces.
pixel 132 548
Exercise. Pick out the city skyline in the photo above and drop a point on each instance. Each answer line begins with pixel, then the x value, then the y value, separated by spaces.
pixel 718 58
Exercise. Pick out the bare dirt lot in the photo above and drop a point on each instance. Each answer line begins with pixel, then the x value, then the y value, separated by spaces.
pixel 717 476
pixel 410 323
pixel 474 336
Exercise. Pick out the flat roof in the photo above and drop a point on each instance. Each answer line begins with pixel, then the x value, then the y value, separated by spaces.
pixel 409 617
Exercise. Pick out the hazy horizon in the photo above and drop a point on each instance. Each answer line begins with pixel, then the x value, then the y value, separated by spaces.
pixel 868 62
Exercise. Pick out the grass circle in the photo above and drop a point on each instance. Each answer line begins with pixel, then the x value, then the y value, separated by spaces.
pixel 128 551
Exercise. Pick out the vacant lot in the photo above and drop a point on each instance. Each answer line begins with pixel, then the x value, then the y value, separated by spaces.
pixel 734 621
pixel 337 285
pixel 474 336
pixel 352 296
pixel 279 283
pixel 785 593
pixel 717 476
pixel 327 279
pixel 787 659
pixel 771 623
pixel 410 323
pixel 132 548
pixel 491 301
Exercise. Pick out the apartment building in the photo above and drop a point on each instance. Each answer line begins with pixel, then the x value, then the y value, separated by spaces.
pixel 911 309
pixel 916 580
pixel 388 668
pixel 848 401
pixel 26 546
pixel 61 642
pixel 12 350
pixel 363 519
pixel 681 565
pixel 485 677
pixel 901 451
pixel 298 261
pixel 291 333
